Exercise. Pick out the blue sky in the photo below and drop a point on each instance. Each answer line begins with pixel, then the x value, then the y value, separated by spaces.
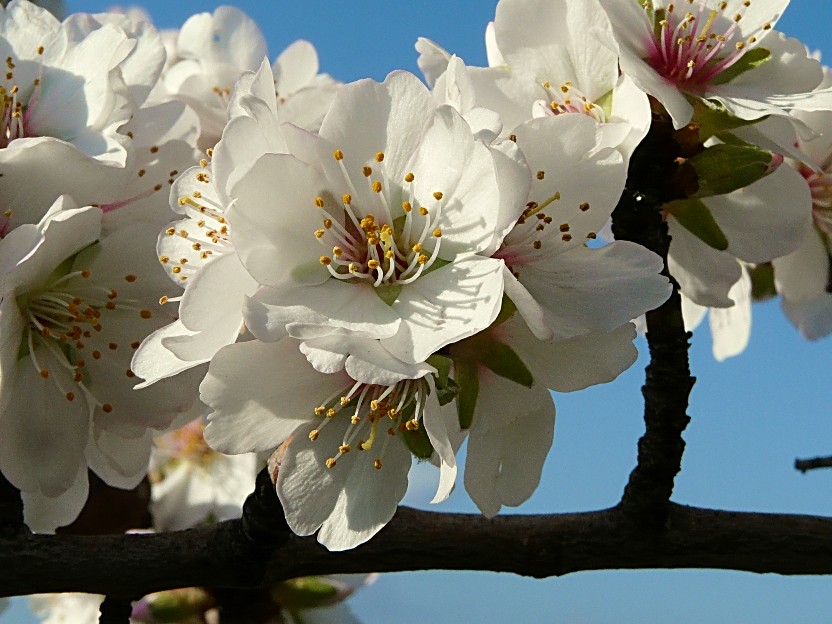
pixel 751 416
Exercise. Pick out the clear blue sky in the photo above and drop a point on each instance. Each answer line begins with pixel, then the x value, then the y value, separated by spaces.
pixel 750 415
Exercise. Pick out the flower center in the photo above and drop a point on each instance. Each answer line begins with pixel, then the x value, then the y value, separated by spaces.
pixel 372 244
pixel 187 444
pixel 692 49
pixel 369 407
pixel 18 102
pixel 569 99
pixel 62 318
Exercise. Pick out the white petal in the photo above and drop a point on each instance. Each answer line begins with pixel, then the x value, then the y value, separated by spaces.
pixel 44 515
pixel 731 327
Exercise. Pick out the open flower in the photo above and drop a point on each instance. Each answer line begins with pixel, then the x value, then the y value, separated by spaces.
pixel 721 50
pixel 72 313
pixel 345 469
pixel 404 204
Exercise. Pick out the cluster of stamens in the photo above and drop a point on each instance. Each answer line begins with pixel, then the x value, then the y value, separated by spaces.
pixel 371 408
pixel 62 318
pixel 368 246
pixel 18 103
pixel 687 48
pixel 186 444
pixel 569 99
pixel 211 237
pixel 529 240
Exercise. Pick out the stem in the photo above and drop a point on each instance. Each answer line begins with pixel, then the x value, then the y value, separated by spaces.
pixel 805 465
pixel 654 178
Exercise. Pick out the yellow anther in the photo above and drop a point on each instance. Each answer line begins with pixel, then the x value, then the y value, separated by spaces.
pixel 345 400
pixel 438 195
pixel 313 435
pixel 437 233
pixel 412 425
pixel 367 171
pixel 409 177
pixel 407 206
pixel 591 235
pixel 374 405
pixel 423 259
pixel 326 260
pixel 163 300
pixel 389 254
pixel 319 202
pixel 346 198
pixel 328 223
pixel 355 420
pixel 330 413
pixel 377 186
pixel 417 248
pixel 379 156
pixel 338 154
pixel 344 448
pixel 373 265
pixel 44 373
pixel 330 463
pixel 203 162
pixel 537 244
pixel 423 211
pixel 377 464
pixel 320 410
pixel 337 251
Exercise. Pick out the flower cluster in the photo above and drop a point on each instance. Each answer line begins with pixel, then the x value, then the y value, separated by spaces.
pixel 351 277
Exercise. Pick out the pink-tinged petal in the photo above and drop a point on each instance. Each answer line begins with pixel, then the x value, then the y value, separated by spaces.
pixel 260 393
pixel 446 305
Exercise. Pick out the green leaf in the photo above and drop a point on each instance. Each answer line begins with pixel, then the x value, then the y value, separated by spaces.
pixel 695 217
pixel 713 118
pixel 418 442
pixel 748 61
pixel 725 168
pixel 388 293
pixel 467 377
pixel 501 360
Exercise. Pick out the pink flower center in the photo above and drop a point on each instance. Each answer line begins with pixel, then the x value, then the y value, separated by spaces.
pixel 692 49
pixel 820 184
pixel 18 103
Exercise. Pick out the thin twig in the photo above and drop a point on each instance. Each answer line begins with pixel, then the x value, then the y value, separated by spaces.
pixel 805 465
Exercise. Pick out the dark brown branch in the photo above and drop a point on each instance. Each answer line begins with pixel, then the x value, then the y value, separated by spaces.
pixel 11 509
pixel 655 177
pixel 537 546
pixel 805 465
pixel 115 611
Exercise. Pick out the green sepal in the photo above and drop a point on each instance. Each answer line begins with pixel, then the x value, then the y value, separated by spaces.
pixel 179 605
pixel 605 102
pixel 696 218
pixel 748 61
pixel 308 592
pixel 417 442
pixel 468 380
pixel 724 168
pixel 388 293
pixel 446 388
pixel 507 310
pixel 501 360
pixel 762 282
pixel 713 118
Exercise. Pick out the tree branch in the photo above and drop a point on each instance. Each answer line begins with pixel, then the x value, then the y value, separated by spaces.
pixel 805 465
pixel 654 178
pixel 539 546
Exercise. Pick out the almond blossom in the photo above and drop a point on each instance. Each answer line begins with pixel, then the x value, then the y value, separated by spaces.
pixel 405 205
pixel 215 49
pixel 345 468
pixel 726 51
pixel 73 312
